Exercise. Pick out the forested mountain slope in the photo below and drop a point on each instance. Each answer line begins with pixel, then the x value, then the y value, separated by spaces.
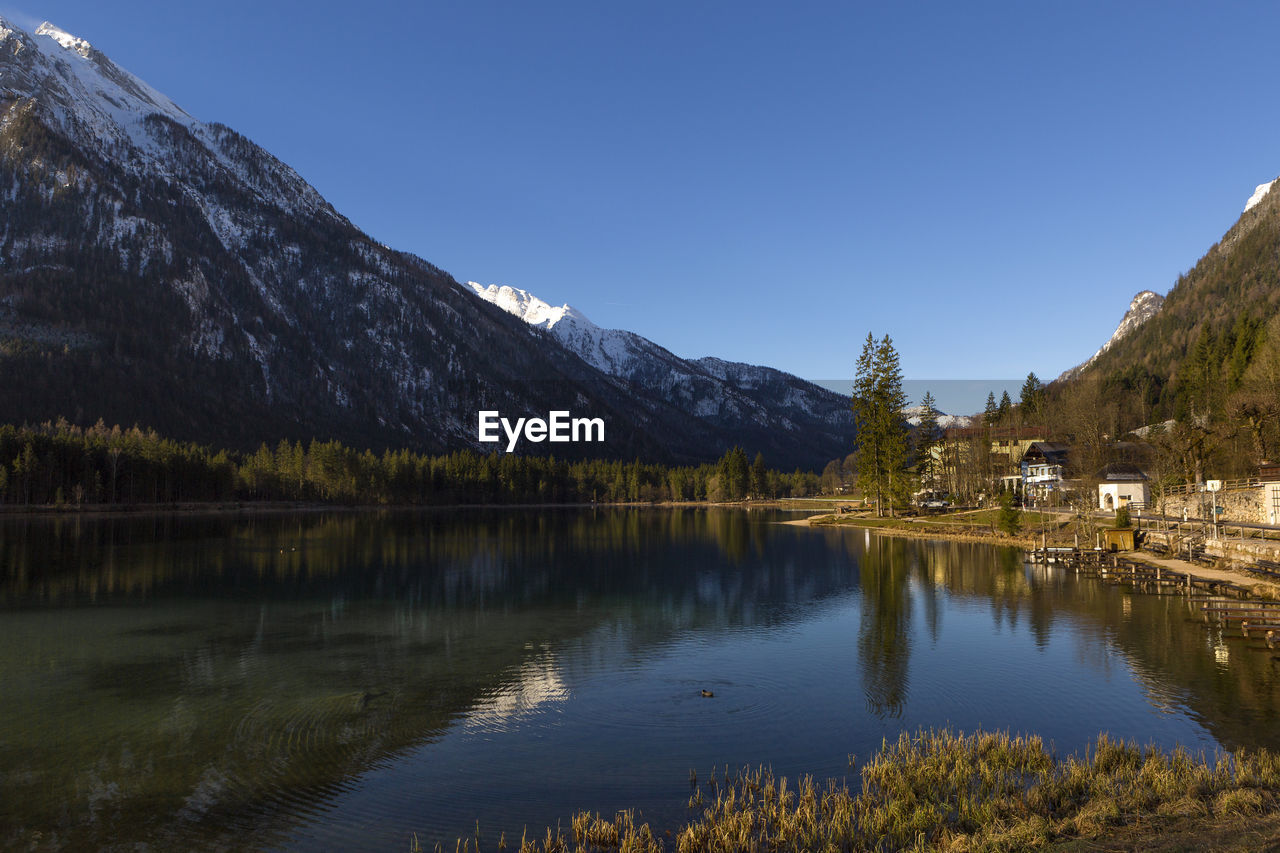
pixel 1195 351
pixel 159 270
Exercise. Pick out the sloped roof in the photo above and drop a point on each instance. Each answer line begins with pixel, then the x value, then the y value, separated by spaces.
pixel 1051 451
pixel 1123 472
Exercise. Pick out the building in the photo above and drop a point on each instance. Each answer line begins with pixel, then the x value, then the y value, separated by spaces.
pixel 1269 478
pixel 1122 484
pixel 974 459
pixel 1044 468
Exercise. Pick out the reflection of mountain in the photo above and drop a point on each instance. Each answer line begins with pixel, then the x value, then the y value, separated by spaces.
pixel 188 682
pixel 180 716
pixel 536 684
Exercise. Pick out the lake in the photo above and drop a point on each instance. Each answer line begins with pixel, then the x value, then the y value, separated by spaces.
pixel 342 680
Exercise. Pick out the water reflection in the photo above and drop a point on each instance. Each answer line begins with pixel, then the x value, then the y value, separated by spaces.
pixel 884 643
pixel 292 679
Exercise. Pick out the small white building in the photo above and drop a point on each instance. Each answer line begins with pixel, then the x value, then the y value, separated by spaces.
pixel 1269 476
pixel 1122 484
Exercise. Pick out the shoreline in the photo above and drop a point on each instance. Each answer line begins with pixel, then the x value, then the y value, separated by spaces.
pixel 284 507
pixel 925 530
pixel 1257 586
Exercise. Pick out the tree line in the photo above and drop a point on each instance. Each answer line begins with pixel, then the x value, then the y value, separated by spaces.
pixel 64 464
pixel 1219 419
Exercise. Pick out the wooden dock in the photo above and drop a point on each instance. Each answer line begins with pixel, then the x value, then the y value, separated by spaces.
pixel 1118 569
pixel 1218 603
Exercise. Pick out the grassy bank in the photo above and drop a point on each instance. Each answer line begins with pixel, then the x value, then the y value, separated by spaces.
pixel 942 791
pixel 976 526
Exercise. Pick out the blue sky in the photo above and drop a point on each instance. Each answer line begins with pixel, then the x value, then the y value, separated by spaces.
pixel 762 182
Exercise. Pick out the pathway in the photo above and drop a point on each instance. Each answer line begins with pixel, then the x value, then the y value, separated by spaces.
pixel 1205 573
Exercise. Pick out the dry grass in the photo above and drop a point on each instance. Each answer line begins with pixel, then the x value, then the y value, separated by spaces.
pixel 943 791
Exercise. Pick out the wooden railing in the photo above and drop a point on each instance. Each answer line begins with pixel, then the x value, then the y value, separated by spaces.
pixel 1200 530
pixel 1227 485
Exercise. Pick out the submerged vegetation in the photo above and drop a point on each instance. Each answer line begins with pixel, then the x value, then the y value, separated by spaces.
pixel 62 464
pixel 943 791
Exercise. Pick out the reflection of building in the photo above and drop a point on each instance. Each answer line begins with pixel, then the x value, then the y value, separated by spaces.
pixel 1043 468
pixel 1121 484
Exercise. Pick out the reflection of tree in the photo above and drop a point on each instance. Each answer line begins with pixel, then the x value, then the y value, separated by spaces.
pixel 884 644
pixel 731 533
pixel 924 566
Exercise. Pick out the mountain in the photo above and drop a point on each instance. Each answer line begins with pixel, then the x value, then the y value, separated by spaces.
pixel 1194 350
pixel 771 409
pixel 160 270
pixel 1143 307
pixel 915 414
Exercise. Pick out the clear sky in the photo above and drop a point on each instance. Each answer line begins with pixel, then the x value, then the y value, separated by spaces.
pixel 988 183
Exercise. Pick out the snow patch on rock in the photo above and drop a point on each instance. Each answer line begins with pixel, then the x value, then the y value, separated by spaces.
pixel 1143 307
pixel 1259 193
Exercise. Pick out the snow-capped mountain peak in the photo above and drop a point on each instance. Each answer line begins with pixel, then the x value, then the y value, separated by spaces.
pixel 753 397
pixel 89 79
pixel 612 351
pixel 1142 308
pixel 65 39
pixel 528 307
pixel 915 415
pixel 101 108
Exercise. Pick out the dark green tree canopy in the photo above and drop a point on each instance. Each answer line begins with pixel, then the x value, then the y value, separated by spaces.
pixel 882 446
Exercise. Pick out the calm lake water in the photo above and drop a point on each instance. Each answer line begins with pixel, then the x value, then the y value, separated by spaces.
pixel 339 681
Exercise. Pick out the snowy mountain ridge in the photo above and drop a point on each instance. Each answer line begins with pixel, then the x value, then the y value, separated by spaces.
pixel 915 414
pixel 612 351
pixel 160 270
pixel 107 110
pixel 708 388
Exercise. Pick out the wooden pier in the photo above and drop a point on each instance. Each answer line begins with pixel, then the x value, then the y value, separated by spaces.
pixel 1118 569
pixel 1219 603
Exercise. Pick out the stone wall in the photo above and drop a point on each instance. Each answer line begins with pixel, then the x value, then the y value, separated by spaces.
pixel 1236 552
pixel 1238 505
pixel 1228 550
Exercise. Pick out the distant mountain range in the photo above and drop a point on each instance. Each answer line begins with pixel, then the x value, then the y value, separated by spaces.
pixel 756 403
pixel 915 414
pixel 160 270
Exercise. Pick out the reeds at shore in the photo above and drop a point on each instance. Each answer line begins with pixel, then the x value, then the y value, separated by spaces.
pixel 946 791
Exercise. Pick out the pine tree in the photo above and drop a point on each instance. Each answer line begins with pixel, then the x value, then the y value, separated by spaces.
pixel 1010 517
pixel 1032 396
pixel 882 432
pixel 991 412
pixel 1005 407
pixel 927 436
pixel 760 477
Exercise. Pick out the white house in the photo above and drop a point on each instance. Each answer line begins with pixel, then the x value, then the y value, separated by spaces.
pixel 1122 484
pixel 1269 476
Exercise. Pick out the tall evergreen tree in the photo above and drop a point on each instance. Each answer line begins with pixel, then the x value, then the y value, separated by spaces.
pixel 991 412
pixel 878 399
pixel 1005 407
pixel 760 477
pixel 927 436
pixel 1032 396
